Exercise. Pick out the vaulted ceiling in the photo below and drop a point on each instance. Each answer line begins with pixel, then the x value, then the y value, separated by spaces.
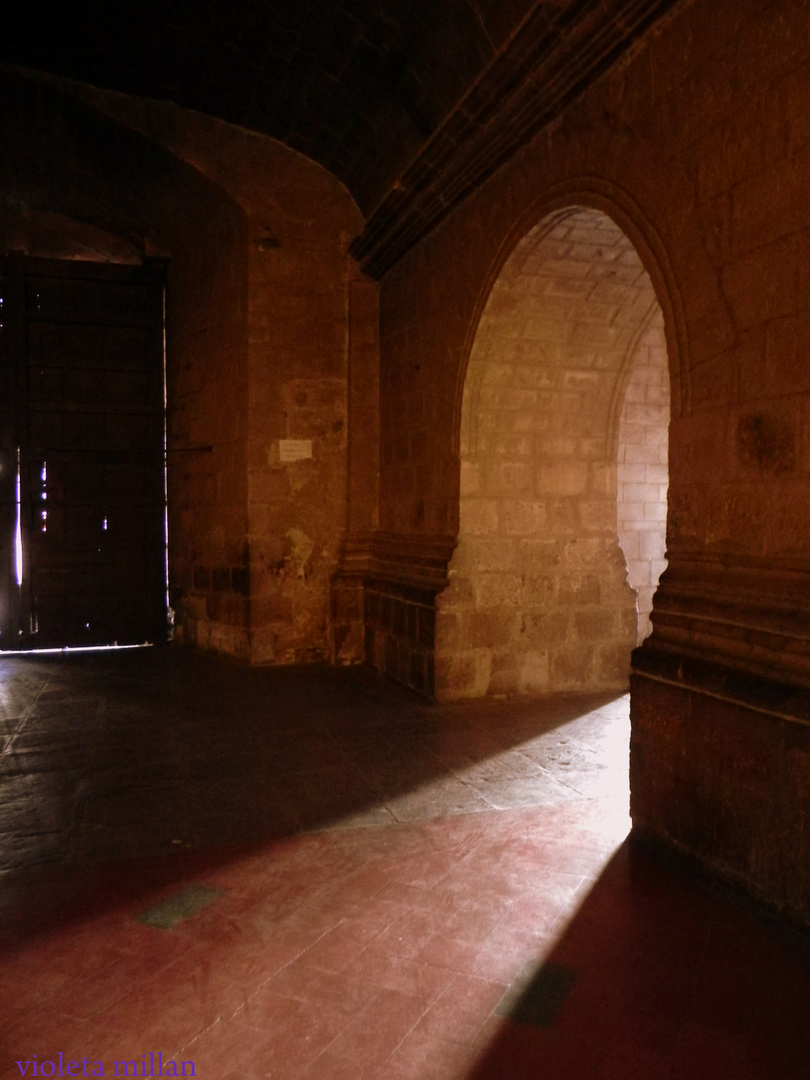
pixel 383 93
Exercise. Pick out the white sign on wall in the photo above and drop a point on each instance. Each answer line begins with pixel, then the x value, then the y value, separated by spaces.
pixel 294 449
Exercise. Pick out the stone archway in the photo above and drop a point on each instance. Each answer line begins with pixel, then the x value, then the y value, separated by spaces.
pixel 539 599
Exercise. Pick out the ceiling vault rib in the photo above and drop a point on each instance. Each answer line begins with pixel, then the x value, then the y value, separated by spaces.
pixel 527 85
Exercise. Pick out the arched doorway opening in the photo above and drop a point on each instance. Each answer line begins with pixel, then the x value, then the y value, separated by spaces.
pixel 563 469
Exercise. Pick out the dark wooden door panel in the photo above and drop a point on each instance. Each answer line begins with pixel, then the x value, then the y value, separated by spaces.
pixel 89 425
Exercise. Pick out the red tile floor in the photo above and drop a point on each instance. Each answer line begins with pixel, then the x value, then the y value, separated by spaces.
pixel 386 888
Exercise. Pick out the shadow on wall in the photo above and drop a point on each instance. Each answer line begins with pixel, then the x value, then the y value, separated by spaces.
pixel 539 599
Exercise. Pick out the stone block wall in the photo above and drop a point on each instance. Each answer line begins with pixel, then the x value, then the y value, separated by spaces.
pixel 261 337
pixel 303 333
pixel 643 475
pixel 538 599
pixel 698 147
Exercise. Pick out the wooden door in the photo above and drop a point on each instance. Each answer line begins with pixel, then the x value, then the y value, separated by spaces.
pixel 84 433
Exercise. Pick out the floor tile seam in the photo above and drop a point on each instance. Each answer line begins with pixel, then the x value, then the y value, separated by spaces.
pixel 492 805
pixel 501 812
pixel 183 1049
pixel 486 806
pixel 493 811
pixel 306 1002
pixel 254 993
pixel 323 891
pixel 26 1015
pixel 418 958
pixel 463 774
pixel 406 961
pixel 383 791
pixel 466 976
pixel 448 909
pixel 468 844
pixel 179 959
pixel 560 923
pixel 377 932
pixel 11 754
pixel 420 1021
pixel 298 956
pixel 527 951
pixel 383 1061
pixel 570 787
pixel 27 712
pixel 407 823
pixel 90 1016
pixel 467 1043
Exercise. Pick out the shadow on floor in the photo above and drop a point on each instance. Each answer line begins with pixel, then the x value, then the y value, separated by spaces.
pixel 658 976
pixel 152 755
pixel 481 919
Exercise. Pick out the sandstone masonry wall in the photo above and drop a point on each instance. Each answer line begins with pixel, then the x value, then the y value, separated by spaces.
pixel 698 147
pixel 538 597
pixel 642 471
pixel 272 572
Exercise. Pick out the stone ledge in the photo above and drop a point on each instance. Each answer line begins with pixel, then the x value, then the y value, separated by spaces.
pixel 526 86
pixel 383 604
pixel 418 562
pixel 748 613
pixel 724 682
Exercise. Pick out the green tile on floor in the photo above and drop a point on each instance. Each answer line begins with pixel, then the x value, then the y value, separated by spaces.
pixel 536 994
pixel 180 906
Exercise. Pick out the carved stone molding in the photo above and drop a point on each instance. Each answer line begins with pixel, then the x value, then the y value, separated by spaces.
pixel 410 561
pixel 782 701
pixel 383 604
pixel 751 615
pixel 527 85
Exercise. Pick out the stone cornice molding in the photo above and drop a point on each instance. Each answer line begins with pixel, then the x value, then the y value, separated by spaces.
pixel 407 560
pixel 748 613
pixel 756 693
pixel 539 72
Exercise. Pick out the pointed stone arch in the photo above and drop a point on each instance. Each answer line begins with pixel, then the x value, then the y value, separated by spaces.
pixel 538 599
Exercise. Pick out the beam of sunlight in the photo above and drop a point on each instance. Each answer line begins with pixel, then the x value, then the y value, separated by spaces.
pixel 504 884
pixel 583 759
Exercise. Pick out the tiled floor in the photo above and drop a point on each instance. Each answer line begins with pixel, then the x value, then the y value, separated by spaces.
pixel 361 886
